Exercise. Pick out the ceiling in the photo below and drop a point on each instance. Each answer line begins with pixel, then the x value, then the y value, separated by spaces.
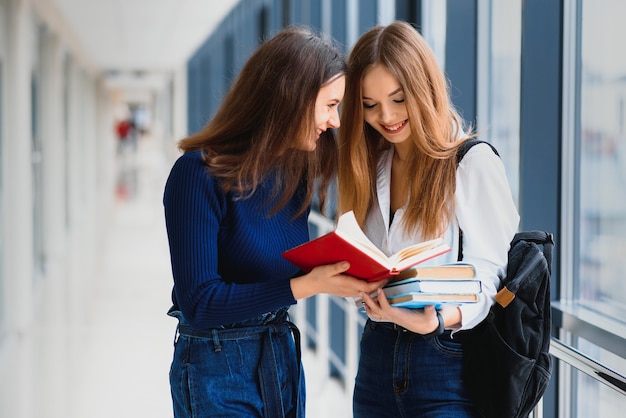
pixel 135 40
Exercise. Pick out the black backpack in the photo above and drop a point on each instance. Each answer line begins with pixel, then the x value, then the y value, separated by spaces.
pixel 507 365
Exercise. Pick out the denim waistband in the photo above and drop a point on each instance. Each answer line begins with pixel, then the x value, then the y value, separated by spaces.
pixel 236 333
pixel 447 335
pixel 280 315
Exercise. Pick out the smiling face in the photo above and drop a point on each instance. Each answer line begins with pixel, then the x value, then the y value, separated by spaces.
pixel 384 108
pixel 326 111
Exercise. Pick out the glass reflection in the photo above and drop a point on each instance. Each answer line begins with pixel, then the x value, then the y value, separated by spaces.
pixel 602 222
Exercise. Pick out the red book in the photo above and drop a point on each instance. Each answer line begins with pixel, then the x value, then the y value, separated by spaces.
pixel 349 243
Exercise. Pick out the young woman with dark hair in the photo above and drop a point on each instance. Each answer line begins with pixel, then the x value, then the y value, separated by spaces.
pixel 236 199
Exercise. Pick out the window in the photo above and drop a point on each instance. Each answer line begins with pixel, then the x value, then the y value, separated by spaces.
pixel 367 17
pixel 2 295
pixel 594 142
pixel 286 13
pixel 36 89
pixel 338 25
pixel 409 11
pixel 499 82
pixel 591 398
pixel 602 218
pixel 229 60
pixel 67 114
pixel 263 24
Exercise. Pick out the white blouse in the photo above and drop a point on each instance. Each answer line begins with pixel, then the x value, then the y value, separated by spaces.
pixel 485 211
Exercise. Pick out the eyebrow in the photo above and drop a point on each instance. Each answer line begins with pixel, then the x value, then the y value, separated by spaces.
pixel 396 91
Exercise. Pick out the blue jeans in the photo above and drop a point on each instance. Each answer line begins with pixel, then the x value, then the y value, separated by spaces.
pixel 249 369
pixel 403 375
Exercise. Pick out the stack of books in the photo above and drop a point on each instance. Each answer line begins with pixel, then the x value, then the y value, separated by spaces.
pixel 437 285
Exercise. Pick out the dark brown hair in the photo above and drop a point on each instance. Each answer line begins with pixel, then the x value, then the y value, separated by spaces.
pixel 267 112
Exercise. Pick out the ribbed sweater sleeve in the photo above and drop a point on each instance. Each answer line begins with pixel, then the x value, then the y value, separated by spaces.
pixel 226 252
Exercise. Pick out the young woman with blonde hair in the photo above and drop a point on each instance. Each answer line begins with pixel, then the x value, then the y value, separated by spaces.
pixel 398 171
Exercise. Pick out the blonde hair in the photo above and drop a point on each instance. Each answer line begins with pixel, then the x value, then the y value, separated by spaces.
pixel 435 129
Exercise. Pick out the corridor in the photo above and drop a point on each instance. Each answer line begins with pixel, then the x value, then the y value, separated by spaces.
pixel 114 361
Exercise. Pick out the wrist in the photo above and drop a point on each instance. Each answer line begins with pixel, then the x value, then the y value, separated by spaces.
pixel 438 331
pixel 300 288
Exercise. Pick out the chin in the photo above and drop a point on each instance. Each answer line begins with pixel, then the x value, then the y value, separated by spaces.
pixel 311 145
pixel 396 139
pixel 308 147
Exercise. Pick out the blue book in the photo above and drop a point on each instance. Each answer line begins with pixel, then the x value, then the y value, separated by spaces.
pixel 419 300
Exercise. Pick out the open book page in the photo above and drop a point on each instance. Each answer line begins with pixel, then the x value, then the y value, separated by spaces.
pixel 413 250
pixel 348 228
pixel 410 256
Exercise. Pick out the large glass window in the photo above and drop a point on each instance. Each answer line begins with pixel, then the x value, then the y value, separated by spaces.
pixel 599 222
pixel 2 40
pixel 602 219
pixel 499 73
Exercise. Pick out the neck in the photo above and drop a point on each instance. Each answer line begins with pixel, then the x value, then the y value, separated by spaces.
pixel 399 156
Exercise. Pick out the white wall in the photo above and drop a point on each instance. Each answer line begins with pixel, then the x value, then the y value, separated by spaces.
pixel 74 125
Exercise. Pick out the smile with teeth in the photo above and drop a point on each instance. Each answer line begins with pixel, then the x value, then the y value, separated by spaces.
pixel 395 127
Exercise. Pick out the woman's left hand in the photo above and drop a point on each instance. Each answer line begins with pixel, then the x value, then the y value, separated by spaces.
pixel 420 321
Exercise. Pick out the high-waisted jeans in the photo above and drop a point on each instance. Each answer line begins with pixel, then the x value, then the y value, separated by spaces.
pixel 248 369
pixel 403 375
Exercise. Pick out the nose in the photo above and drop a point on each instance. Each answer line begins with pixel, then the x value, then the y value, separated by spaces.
pixel 333 120
pixel 386 114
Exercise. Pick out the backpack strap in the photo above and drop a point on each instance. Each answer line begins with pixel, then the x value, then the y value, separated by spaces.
pixel 460 153
pixel 469 143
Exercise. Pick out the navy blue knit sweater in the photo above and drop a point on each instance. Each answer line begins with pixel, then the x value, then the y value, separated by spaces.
pixel 226 253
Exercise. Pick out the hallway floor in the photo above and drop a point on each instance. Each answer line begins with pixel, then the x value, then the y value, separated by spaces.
pixel 115 361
